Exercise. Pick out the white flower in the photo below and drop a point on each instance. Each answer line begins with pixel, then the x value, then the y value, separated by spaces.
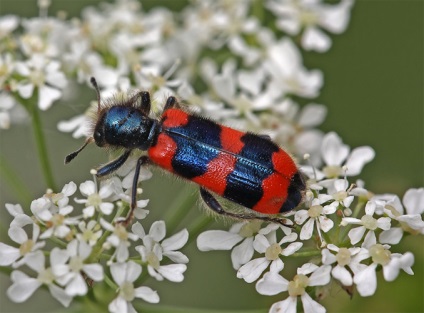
pixel 119 239
pixel 316 214
pixel 366 279
pixel 41 73
pixel 226 240
pixel 339 191
pixel 78 125
pixel 413 200
pixel 368 223
pixel 308 16
pixel 7 104
pixel 150 77
pixel 272 283
pixel 61 199
pixel 69 266
pixel 339 160
pixel 88 63
pixel 8 23
pixel 308 139
pixel 24 286
pixel 95 199
pixel 391 206
pixel 152 251
pixel 46 36
pixel 7 65
pixel 124 274
pixel 27 245
pixel 288 74
pixel 55 218
pixel 344 257
pixel 90 232
pixel 272 251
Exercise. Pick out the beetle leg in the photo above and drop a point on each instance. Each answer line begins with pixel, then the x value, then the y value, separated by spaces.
pixel 267 137
pixel 112 166
pixel 171 102
pixel 214 205
pixel 145 101
pixel 140 162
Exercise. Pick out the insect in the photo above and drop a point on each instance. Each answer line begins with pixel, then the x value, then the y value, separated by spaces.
pixel 244 168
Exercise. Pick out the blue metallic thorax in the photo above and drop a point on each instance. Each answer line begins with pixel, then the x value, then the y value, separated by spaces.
pixel 128 127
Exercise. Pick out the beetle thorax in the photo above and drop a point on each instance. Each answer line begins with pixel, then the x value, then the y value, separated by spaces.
pixel 125 127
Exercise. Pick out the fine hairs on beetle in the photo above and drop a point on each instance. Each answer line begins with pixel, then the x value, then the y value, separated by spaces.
pixel 245 168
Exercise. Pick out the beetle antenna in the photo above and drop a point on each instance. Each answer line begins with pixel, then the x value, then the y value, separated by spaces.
pixel 72 155
pixel 94 83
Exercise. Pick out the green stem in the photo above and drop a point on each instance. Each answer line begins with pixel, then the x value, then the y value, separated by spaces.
pixel 198 226
pixel 258 10
pixel 41 146
pixel 305 253
pixel 15 182
pixel 184 202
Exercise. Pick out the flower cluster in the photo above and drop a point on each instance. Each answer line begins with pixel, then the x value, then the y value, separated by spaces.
pixel 240 63
pixel 348 232
pixel 89 249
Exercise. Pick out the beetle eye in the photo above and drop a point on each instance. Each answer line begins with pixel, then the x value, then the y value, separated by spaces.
pixel 97 136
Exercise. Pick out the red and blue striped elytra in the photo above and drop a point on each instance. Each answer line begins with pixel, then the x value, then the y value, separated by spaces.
pixel 245 168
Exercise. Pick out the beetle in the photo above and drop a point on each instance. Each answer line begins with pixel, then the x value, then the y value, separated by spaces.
pixel 245 168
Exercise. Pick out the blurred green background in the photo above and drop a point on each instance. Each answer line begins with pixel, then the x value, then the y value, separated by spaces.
pixel 374 91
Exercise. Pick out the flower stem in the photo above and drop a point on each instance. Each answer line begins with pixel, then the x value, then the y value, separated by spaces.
pixel 198 226
pixel 178 211
pixel 305 253
pixel 41 146
pixel 16 184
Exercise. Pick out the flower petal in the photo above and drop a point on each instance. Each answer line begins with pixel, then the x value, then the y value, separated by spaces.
pixel 271 284
pixel 357 159
pixel 77 286
pixel 176 256
pixel 173 272
pixel 253 269
pixel 94 271
pixel 147 294
pixel 217 240
pixel 321 276
pixel 307 229
pixel 310 305
pixel 46 96
pixel 158 230
pixel 132 272
pixel 343 275
pixel 286 306
pixel 315 39
pixel 17 234
pixel 312 115
pixel 356 234
pixel 333 151
pixel 413 201
pixel 8 254
pixel 391 236
pixel 118 272
pixel 242 253
pixel 366 281
pixel 118 305
pixel 22 289
pixel 175 242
